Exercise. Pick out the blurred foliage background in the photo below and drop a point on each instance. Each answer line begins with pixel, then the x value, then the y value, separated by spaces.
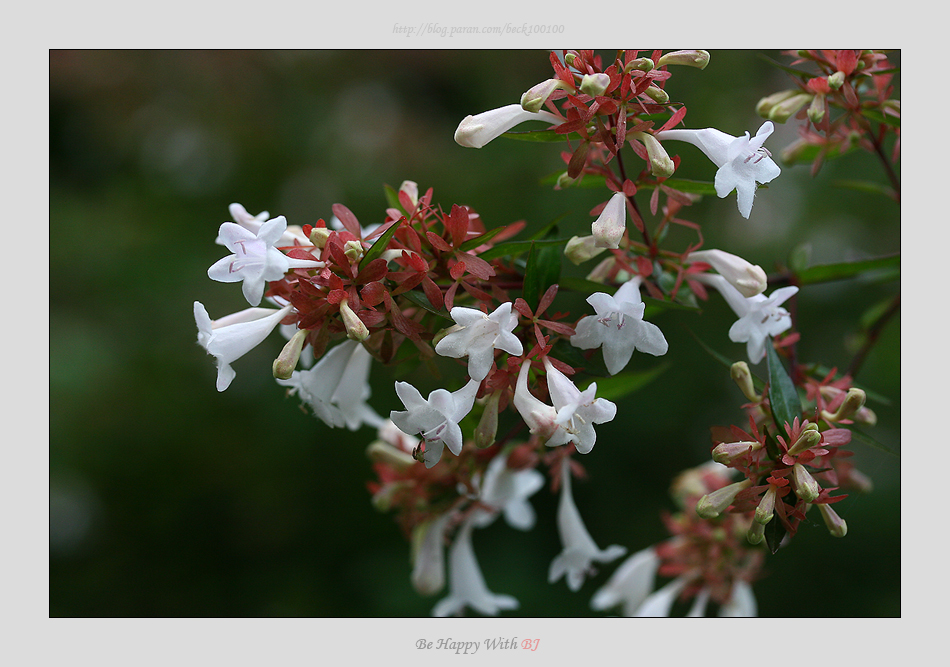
pixel 170 499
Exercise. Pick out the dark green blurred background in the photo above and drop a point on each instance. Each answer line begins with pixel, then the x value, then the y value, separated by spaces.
pixel 170 499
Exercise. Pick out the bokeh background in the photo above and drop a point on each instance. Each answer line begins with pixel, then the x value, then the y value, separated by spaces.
pixel 170 499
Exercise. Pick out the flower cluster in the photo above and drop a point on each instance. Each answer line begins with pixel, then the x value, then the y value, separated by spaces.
pixel 787 467
pixel 347 297
pixel 709 561
pixel 846 99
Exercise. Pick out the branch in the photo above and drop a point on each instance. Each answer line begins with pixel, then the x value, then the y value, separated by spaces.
pixel 873 333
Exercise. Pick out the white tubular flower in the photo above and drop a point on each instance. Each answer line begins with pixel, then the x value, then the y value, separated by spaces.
pixel 619 327
pixel 256 260
pixel 337 387
pixel 630 584
pixel 610 226
pixel 353 390
pixel 477 336
pixel 577 411
pixel 573 415
pixel 698 608
pixel 540 417
pixel 428 555
pixel 742 161
pixel 742 603
pixel 748 278
pixel 476 131
pixel 231 337
pixel 466 584
pixel 507 491
pixel 580 550
pixel 293 235
pixel 436 419
pixel 759 316
pixel 660 602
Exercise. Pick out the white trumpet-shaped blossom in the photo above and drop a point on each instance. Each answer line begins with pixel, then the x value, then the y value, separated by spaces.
pixel 428 555
pixel 749 279
pixel 293 235
pixel 580 551
pixel 476 131
pixel 255 260
pixel 573 414
pixel 618 327
pixel 660 602
pixel 631 588
pixel 630 584
pixel 506 491
pixel 436 419
pixel 467 586
pixel 233 336
pixel 337 387
pixel 610 225
pixel 760 317
pixel 477 336
pixel 742 602
pixel 742 161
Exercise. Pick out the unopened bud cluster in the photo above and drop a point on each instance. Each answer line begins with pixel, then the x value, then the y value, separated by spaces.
pixel 786 469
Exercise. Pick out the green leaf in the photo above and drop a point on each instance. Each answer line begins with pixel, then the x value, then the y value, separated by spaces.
pixel 549 229
pixel 774 533
pixel 771 447
pixel 545 136
pixel 422 301
pixel 868 187
pixel 785 68
pixel 617 386
pixel 826 272
pixel 392 198
pixel 542 270
pixel 783 396
pixel 806 154
pixel 860 436
pixel 380 244
pixel 800 257
pixel 872 315
pixel 585 286
pixel 725 361
pixel 473 243
pixel 874 114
